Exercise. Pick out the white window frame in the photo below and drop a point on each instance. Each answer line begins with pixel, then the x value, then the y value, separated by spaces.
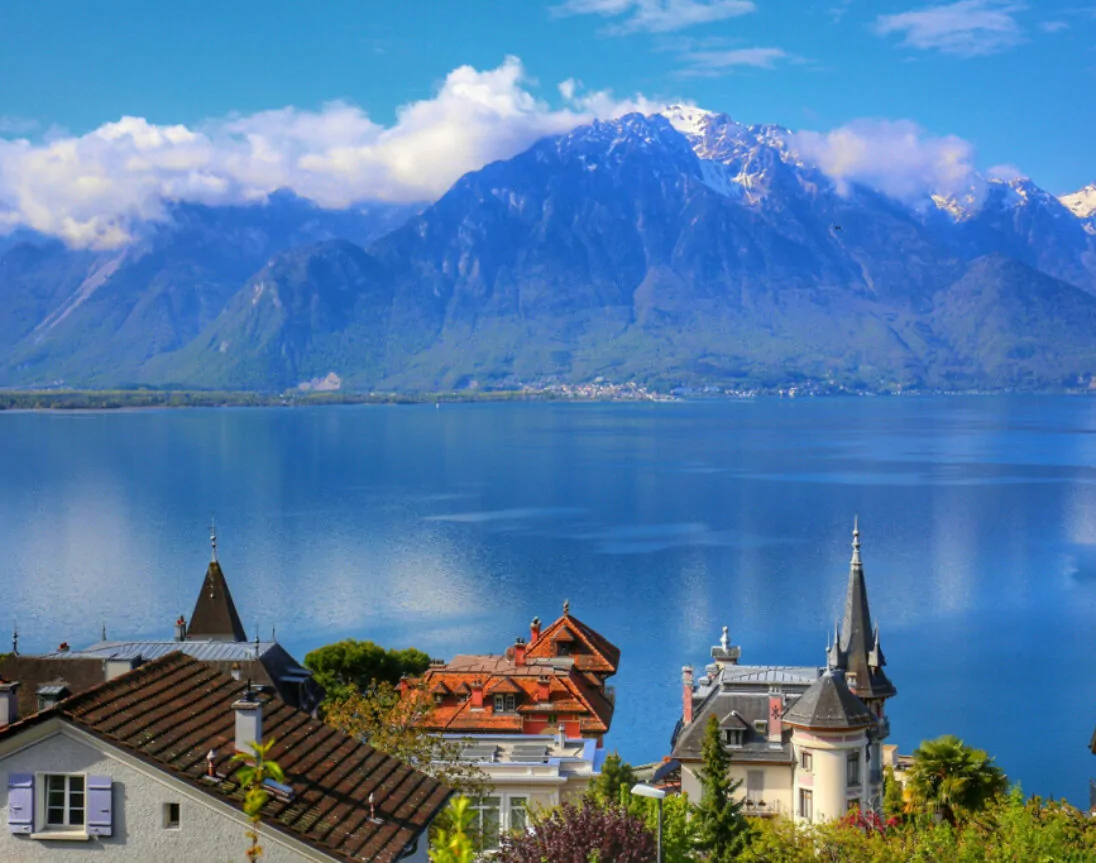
pixel 806 761
pixel 806 795
pixel 41 804
pixel 507 803
pixel 850 780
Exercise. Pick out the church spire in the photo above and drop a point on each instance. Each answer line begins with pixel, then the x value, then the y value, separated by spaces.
pixel 858 638
pixel 215 617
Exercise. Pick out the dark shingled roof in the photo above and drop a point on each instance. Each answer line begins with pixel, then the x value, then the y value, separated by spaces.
pixel 215 615
pixel 171 712
pixel 828 705
pixel 858 639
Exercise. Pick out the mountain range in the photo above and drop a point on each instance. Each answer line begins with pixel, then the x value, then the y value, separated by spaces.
pixel 675 249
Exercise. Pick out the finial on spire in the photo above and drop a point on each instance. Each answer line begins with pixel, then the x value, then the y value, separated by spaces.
pixel 856 540
pixel 103 631
pixel 566 607
pixel 725 639
pixel 213 537
pixel 14 639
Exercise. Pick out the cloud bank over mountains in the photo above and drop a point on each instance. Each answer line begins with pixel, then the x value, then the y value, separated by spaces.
pixel 91 190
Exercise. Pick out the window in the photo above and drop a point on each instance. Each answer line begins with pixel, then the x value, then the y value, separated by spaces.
pixel 518 820
pixel 552 719
pixel 499 704
pixel 806 804
pixel 563 648
pixel 171 816
pixel 735 736
pixel 852 770
pixel 511 703
pixel 755 785
pixel 486 822
pixel 806 760
pixel 64 801
pixel 505 703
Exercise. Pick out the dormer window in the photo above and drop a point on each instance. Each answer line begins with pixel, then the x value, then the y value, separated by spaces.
pixel 735 736
pixel 505 703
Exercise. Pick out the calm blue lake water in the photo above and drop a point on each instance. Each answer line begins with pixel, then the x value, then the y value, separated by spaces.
pixel 450 529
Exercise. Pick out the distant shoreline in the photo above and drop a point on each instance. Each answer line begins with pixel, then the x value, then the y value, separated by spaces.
pixel 23 401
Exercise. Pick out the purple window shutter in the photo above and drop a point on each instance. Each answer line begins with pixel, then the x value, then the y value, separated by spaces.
pixel 21 802
pixel 100 809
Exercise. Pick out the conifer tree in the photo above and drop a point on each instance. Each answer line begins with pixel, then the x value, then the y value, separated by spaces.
pixel 613 785
pixel 722 831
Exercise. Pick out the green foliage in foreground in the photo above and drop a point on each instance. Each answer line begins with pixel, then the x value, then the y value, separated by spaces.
pixel 1009 830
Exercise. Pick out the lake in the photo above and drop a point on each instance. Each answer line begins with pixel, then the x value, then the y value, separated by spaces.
pixel 449 529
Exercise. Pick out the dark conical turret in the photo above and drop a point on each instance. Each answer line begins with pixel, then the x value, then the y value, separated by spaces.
pixel 215 617
pixel 861 654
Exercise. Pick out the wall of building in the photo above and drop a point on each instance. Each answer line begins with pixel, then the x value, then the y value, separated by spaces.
pixel 828 781
pixel 777 788
pixel 207 831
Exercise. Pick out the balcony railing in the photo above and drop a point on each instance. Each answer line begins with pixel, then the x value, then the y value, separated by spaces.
pixel 764 808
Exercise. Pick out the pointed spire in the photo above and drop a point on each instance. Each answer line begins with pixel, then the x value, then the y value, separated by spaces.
pixel 857 634
pixel 215 617
pixel 876 659
pixel 856 540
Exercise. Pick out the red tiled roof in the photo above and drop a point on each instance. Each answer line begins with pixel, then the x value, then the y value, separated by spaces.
pixel 171 712
pixel 599 655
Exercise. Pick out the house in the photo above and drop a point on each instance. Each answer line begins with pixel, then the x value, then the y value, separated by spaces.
pixel 140 768
pixel 553 683
pixel 804 741
pixel 526 772
pixel 214 636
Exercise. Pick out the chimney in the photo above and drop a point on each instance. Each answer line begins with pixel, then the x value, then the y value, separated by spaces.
pixel 9 703
pixel 534 630
pixel 249 721
pixel 235 671
pixel 687 694
pixel 63 647
pixel 543 695
pixel 477 695
pixel 519 652
pixel 776 718
pixel 180 629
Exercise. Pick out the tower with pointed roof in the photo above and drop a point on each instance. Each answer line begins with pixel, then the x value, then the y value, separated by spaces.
pixel 215 617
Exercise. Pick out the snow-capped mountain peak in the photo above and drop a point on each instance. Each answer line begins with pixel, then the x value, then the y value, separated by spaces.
pixel 1082 203
pixel 687 119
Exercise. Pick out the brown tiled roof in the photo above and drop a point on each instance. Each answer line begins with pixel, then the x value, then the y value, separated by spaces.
pixel 171 712
pixel 30 672
pixel 597 654
pixel 215 614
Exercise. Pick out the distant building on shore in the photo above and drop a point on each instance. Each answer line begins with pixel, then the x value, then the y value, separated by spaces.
pixel 214 636
pixel 805 741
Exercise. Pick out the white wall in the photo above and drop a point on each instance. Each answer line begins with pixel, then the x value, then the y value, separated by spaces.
pixel 828 780
pixel 206 833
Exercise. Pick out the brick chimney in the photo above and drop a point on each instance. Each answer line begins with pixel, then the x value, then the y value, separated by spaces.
pixel 180 629
pixel 543 694
pixel 249 721
pixel 519 652
pixel 776 718
pixel 687 694
pixel 477 695
pixel 534 630
pixel 9 703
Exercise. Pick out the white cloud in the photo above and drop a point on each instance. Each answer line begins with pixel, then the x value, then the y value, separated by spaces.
pixel 714 62
pixel 90 189
pixel 658 16
pixel 897 158
pixel 1053 26
pixel 967 28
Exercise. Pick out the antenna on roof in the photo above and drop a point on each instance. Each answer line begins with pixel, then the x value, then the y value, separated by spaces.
pixel 14 638
pixel 274 632
pixel 213 537
pixel 256 640
pixel 103 630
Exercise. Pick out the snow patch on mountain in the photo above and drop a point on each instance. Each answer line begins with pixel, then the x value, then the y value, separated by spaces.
pixel 687 119
pixel 1081 203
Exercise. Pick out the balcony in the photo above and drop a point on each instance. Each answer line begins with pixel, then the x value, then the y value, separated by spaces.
pixel 764 808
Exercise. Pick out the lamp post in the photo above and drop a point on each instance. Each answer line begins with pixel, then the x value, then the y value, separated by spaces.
pixel 658 794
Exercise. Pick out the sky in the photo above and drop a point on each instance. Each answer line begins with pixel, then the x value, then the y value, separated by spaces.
pixel 109 108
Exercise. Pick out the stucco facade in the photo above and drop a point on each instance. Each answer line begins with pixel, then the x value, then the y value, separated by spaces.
pixel 208 829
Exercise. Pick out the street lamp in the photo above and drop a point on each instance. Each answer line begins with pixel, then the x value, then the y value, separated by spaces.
pixel 642 790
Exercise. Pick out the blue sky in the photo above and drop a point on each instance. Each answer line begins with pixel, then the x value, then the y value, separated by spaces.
pixel 1017 80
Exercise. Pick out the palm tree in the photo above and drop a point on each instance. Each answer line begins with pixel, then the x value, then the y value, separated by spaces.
pixel 952 779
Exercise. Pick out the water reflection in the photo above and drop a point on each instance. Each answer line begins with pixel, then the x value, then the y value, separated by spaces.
pixel 451 529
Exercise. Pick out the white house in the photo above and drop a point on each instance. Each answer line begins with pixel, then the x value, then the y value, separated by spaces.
pixel 140 768
pixel 804 741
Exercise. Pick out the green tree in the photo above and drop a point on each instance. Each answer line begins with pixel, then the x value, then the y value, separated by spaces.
pixel 257 768
pixel 350 665
pixel 613 785
pixel 394 724
pixel 894 805
pixel 722 830
pixel 678 826
pixel 452 842
pixel 953 779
